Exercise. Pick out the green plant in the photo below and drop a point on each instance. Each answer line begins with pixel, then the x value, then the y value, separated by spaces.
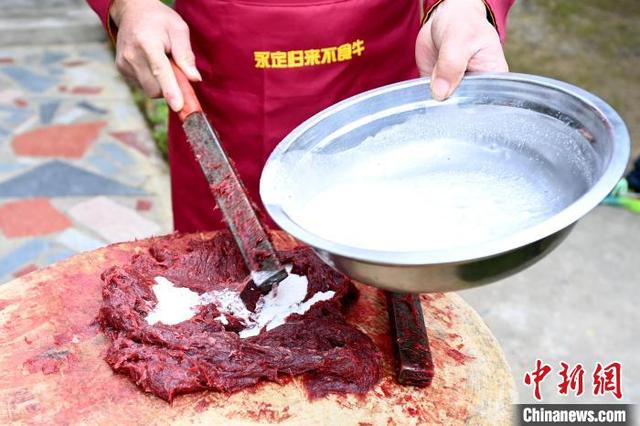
pixel 156 113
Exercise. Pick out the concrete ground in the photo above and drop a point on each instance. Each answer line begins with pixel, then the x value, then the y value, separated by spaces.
pixel 594 44
pixel 578 305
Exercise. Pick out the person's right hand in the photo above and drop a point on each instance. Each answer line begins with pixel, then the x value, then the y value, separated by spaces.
pixel 148 31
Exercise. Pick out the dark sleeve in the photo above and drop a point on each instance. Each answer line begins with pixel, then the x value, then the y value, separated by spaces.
pixel 497 11
pixel 101 7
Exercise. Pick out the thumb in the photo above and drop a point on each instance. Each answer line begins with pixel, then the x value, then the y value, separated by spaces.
pixel 449 69
pixel 426 52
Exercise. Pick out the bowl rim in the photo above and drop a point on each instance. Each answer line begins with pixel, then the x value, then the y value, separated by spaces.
pixel 601 188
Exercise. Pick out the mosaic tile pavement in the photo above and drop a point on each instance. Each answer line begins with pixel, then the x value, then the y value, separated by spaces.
pixel 78 169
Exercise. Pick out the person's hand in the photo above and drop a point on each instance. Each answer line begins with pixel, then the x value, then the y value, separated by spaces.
pixel 457 38
pixel 148 31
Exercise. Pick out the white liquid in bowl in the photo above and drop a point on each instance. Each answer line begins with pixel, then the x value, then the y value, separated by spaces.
pixel 439 181
pixel 428 212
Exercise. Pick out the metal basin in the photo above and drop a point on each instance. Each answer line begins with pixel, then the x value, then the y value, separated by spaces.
pixel 404 193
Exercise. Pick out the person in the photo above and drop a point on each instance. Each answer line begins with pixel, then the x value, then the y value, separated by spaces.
pixel 261 67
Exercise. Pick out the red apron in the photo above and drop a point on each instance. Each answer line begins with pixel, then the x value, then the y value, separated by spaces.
pixel 267 66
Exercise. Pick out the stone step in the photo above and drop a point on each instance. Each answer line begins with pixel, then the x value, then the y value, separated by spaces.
pixel 49 25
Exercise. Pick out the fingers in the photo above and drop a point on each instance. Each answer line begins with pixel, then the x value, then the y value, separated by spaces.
pixel 150 32
pixel 489 59
pixel 457 38
pixel 449 69
pixel 181 51
pixel 124 66
pixel 148 64
pixel 459 54
pixel 131 59
pixel 161 71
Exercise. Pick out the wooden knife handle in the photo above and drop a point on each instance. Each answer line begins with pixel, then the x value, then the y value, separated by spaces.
pixel 191 103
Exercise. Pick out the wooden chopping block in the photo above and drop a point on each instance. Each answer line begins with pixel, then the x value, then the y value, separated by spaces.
pixel 53 372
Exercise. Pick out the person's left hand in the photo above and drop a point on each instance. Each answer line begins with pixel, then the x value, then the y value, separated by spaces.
pixel 457 38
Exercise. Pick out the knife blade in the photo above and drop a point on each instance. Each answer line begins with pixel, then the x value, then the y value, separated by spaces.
pixel 231 197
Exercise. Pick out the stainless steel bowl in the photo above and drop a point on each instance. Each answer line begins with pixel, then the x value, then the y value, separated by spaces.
pixel 506 126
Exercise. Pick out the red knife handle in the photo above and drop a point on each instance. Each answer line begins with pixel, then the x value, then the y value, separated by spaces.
pixel 191 103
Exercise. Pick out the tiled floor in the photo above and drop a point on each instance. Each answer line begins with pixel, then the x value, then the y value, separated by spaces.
pixel 78 169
